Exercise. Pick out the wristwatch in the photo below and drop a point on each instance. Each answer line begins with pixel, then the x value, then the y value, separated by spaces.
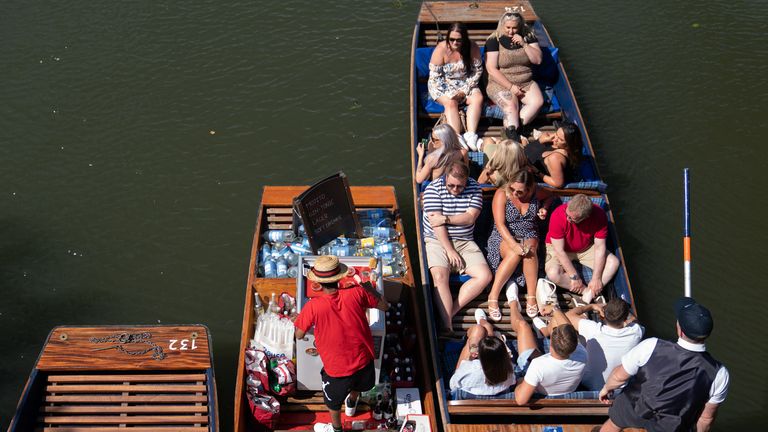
pixel 445 222
pixel 574 277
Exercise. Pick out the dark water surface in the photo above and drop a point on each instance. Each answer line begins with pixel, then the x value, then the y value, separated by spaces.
pixel 119 205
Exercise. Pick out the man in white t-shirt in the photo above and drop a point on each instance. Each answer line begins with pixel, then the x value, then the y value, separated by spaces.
pixel 605 342
pixel 671 386
pixel 555 373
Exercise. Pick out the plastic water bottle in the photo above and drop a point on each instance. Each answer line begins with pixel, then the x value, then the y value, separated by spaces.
pixel 343 250
pixel 300 248
pixel 279 236
pixel 293 271
pixel 266 252
pixel 258 307
pixel 282 268
pixel 381 232
pixel 388 248
pixel 302 231
pixel 270 268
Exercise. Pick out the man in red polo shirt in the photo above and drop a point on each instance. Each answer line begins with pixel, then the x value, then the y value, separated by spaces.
pixel 578 231
pixel 342 336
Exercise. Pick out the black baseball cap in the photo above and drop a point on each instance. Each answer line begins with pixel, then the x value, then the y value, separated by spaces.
pixel 694 319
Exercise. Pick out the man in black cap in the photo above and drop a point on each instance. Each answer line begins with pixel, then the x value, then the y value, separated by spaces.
pixel 672 386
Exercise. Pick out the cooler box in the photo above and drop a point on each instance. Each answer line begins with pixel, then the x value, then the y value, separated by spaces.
pixel 308 363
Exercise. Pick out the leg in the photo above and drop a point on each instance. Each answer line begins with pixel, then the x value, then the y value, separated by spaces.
pixel 531 273
pixel 474 109
pixel 532 102
pixel 475 334
pixel 554 270
pixel 335 418
pixel 511 108
pixel 611 267
pixel 509 262
pixel 451 112
pixel 610 426
pixel 525 338
pixel 480 278
pixel 440 276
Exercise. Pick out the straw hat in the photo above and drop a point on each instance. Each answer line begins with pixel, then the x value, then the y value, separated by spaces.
pixel 327 269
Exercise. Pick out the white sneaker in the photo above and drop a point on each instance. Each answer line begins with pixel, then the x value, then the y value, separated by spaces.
pixel 349 408
pixel 463 142
pixel 480 143
pixel 480 315
pixel 471 139
pixel 323 427
pixel 539 324
pixel 512 294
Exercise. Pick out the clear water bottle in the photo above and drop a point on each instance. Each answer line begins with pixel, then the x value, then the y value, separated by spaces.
pixel 300 248
pixel 282 268
pixel 279 236
pixel 302 230
pixel 266 252
pixel 270 268
pixel 293 271
pixel 343 250
pixel 388 248
pixel 381 232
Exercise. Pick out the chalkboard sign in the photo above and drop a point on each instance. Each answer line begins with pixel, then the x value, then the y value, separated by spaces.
pixel 327 211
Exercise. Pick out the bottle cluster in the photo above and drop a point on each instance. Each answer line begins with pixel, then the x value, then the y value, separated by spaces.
pixel 279 256
pixel 398 363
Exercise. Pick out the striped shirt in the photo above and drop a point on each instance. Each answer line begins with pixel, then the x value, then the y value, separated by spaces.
pixel 437 198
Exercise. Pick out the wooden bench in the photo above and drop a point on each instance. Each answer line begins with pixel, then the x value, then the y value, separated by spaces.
pixel 143 402
pixel 558 407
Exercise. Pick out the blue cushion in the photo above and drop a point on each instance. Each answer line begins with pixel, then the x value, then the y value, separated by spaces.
pixel 422 61
pixel 547 71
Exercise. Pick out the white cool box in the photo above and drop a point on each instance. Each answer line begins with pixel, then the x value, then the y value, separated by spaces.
pixel 308 363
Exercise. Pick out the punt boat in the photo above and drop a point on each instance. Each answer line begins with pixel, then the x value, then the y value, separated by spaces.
pixel 118 378
pixel 481 19
pixel 306 407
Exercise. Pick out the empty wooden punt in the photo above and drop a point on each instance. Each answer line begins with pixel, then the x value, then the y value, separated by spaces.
pixel 118 378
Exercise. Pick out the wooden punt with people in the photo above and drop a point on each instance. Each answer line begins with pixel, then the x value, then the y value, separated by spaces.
pixel 117 378
pixel 306 407
pixel 584 410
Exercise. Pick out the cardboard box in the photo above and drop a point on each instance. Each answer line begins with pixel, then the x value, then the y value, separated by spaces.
pixel 408 402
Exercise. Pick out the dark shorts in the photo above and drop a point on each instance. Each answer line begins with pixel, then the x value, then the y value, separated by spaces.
pixel 336 389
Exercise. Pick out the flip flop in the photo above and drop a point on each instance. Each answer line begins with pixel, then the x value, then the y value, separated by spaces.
pixel 494 313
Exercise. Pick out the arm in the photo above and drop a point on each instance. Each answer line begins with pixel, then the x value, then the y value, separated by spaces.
pixel 545 198
pixel 617 379
pixel 299 333
pixel 556 166
pixel 558 245
pixel 576 314
pixel 424 166
pixel 436 76
pixel 533 51
pixel 382 304
pixel 596 284
pixel 523 392
pixel 473 76
pixel 441 232
pixel 707 417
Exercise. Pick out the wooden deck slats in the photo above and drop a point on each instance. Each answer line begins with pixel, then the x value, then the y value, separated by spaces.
pixel 116 388
pixel 157 420
pixel 123 378
pixel 111 402
pixel 126 399
pixel 123 429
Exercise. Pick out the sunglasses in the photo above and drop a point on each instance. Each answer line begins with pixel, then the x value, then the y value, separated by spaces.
pixel 459 40
pixel 454 186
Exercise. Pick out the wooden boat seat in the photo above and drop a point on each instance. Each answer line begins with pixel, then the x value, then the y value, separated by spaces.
pixel 558 407
pixel 114 402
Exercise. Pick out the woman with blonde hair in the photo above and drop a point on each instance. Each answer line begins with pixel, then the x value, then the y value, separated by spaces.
pixel 507 159
pixel 445 149
pixel 510 52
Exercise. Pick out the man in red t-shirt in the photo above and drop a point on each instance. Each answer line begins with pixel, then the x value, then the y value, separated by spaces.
pixel 342 336
pixel 578 231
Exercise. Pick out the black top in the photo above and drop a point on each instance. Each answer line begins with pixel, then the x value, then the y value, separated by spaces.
pixel 492 44
pixel 534 152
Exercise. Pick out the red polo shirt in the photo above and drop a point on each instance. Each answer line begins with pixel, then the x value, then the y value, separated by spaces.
pixel 578 237
pixel 342 333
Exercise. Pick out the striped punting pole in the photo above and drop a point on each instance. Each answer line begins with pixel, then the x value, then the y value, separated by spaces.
pixel 687 231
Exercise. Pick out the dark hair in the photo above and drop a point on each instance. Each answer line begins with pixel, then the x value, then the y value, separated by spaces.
pixel 494 359
pixel 466 44
pixel 564 339
pixel 573 143
pixel 329 285
pixel 457 169
pixel 616 312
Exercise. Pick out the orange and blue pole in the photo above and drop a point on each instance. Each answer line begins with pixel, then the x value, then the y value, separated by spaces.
pixel 687 231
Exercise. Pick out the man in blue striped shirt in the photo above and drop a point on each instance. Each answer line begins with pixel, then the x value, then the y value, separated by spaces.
pixel 451 205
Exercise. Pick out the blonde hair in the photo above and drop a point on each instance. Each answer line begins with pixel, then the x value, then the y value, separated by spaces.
pixel 522 29
pixel 451 146
pixel 580 205
pixel 508 159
